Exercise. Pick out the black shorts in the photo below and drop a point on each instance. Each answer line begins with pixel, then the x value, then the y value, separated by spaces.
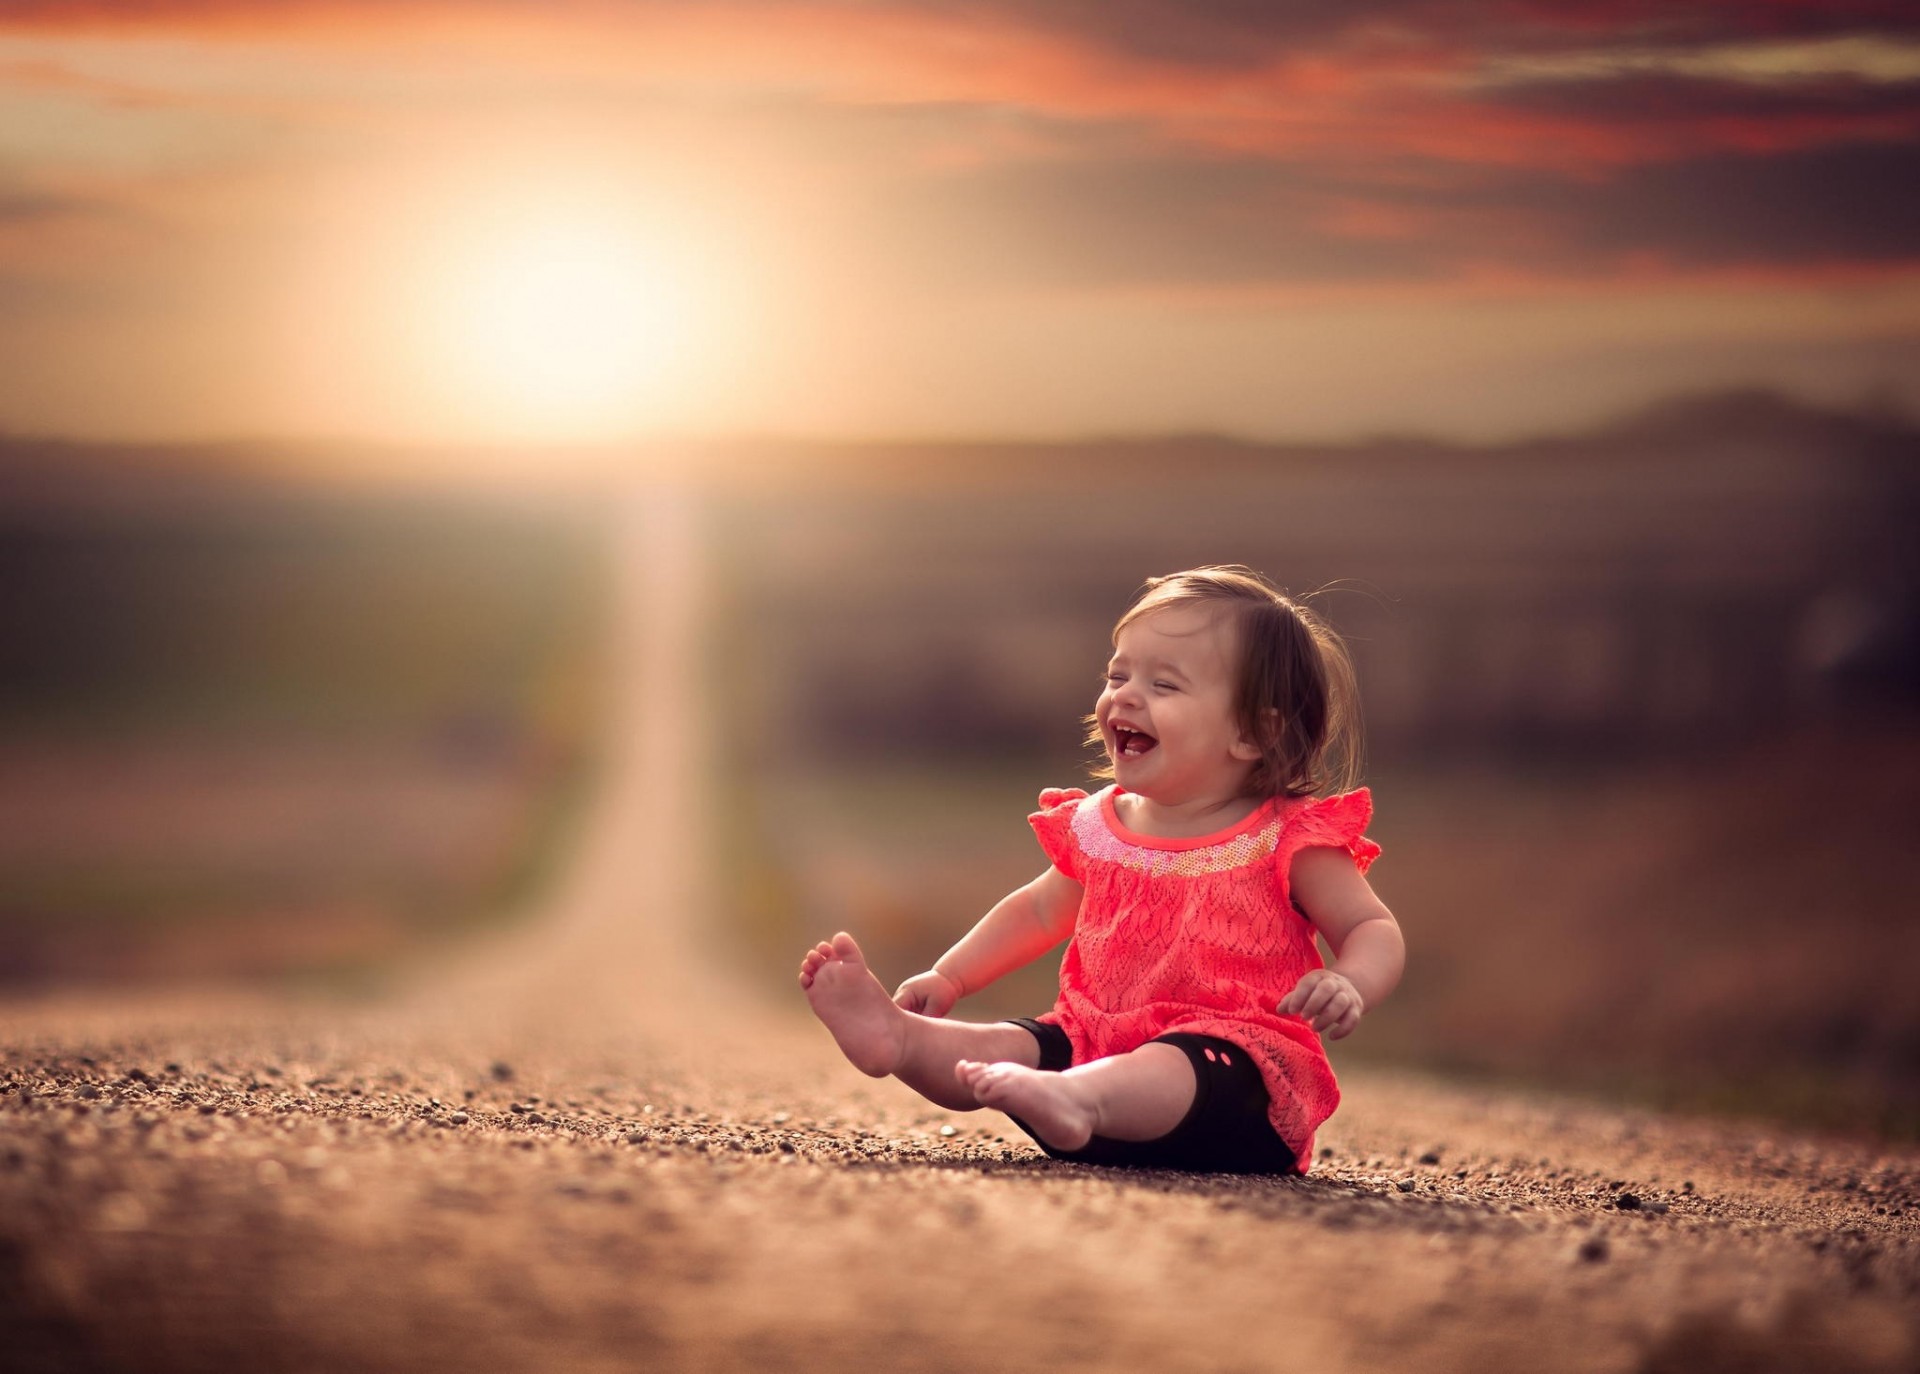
pixel 1226 1131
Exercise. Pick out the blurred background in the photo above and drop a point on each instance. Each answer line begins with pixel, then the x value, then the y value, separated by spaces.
pixel 1568 354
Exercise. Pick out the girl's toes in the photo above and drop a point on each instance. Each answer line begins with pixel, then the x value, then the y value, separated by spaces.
pixel 989 1080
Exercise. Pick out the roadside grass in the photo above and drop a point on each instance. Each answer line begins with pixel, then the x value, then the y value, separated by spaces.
pixel 287 733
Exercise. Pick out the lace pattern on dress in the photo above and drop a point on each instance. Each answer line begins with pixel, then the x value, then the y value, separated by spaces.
pixel 1097 841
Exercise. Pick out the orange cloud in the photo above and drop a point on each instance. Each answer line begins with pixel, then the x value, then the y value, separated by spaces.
pixel 1346 86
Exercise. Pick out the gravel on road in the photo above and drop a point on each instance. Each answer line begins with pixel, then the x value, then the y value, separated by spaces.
pixel 304 1186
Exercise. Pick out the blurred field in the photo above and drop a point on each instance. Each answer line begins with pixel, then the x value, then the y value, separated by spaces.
pixel 260 729
pixel 1729 929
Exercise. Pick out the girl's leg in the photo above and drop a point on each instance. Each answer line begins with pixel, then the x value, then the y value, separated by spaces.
pixel 880 1038
pixel 1141 1095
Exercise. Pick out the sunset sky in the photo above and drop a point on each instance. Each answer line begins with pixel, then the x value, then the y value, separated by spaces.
pixel 501 220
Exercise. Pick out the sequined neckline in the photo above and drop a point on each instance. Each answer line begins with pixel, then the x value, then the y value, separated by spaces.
pixel 1253 820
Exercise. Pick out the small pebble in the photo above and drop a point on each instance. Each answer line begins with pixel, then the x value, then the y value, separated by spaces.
pixel 1405 1185
pixel 1627 1202
pixel 949 1131
pixel 459 1118
pixel 1593 1250
pixel 502 1071
pixel 636 1137
pixel 1430 1157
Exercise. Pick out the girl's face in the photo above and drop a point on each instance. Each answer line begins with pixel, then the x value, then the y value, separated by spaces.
pixel 1166 712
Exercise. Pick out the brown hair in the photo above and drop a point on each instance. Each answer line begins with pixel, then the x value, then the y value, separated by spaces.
pixel 1294 692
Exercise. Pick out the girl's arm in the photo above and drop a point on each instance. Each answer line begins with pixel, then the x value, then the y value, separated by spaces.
pixel 1022 926
pixel 1368 952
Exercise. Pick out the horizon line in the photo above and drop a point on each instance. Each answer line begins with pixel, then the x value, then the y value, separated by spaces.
pixel 1880 405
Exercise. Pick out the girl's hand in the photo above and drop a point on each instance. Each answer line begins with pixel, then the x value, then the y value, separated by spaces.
pixel 931 993
pixel 1327 1001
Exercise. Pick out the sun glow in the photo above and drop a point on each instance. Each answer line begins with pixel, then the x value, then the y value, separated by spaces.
pixel 560 323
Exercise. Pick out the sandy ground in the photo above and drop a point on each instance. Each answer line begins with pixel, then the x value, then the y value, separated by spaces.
pixel 581 1146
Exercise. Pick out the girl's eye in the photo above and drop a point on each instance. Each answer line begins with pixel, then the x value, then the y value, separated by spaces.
pixel 1165 687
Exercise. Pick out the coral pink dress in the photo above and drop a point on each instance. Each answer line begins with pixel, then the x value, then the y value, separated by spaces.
pixel 1199 935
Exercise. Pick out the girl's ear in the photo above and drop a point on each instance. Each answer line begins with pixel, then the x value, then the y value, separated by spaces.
pixel 1248 749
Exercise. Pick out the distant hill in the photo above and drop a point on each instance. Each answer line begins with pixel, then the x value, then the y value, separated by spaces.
pixel 1712 564
pixel 44 471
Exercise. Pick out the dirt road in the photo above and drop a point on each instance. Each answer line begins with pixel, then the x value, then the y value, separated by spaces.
pixel 581 1147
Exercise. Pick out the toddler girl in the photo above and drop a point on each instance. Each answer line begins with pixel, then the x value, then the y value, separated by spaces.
pixel 1192 997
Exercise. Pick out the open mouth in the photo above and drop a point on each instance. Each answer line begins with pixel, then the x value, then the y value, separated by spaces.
pixel 1131 743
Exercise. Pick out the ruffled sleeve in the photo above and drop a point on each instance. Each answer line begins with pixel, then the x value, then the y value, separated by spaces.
pixel 1336 822
pixel 1053 824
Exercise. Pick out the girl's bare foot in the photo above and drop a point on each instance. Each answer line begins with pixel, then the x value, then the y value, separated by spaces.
pixel 1048 1102
pixel 870 1030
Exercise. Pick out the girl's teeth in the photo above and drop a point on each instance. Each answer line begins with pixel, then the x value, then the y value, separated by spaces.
pixel 1132 741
